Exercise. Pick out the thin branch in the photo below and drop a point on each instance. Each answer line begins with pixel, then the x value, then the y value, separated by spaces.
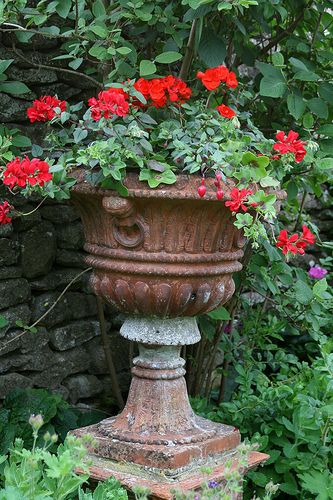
pixel 56 68
pixel 292 26
pixel 189 53
pixel 48 311
pixel 108 354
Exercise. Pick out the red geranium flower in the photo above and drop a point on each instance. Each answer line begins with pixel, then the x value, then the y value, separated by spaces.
pixel 238 198
pixel 290 144
pixel 295 243
pixel 43 109
pixel 22 172
pixel 231 80
pixel 212 77
pixel 287 244
pixel 4 209
pixel 159 91
pixel 109 103
pixel 225 111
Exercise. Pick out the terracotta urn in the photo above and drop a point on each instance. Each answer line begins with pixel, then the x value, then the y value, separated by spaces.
pixel 162 256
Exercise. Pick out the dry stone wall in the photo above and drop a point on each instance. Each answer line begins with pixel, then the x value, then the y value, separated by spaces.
pixel 40 254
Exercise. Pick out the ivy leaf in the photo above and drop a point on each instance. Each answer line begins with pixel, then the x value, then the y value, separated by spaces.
pixel 147 68
pixel 79 134
pixel 168 57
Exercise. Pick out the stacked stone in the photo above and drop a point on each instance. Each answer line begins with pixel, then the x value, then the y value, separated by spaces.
pixel 39 255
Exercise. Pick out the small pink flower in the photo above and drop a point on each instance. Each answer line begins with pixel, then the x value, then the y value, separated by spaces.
pixel 317 272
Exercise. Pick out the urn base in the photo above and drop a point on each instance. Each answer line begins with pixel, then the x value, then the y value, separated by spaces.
pixel 161 483
pixel 172 452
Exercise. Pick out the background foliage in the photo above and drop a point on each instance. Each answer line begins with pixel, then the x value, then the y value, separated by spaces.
pixel 274 352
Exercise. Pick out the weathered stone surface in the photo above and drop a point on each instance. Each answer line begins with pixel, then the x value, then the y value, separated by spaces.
pixel 38 250
pixel 12 109
pixel 82 386
pixel 20 312
pixel 14 291
pixel 70 236
pixel 24 341
pixel 119 350
pixel 6 230
pixel 10 272
pixel 26 222
pixel 57 280
pixel 37 42
pixel 62 90
pixel 61 366
pixel 72 305
pixel 69 258
pixel 59 214
pixel 76 333
pixel 8 252
pixel 32 76
pixel 11 381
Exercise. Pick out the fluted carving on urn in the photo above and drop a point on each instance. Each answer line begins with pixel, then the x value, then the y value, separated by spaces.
pixel 161 252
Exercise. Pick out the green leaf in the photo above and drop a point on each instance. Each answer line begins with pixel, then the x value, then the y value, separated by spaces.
pixel 269 182
pixel 76 63
pixel 326 130
pixel 168 57
pixel 299 65
pixel 4 63
pixel 303 292
pixel 326 91
pixel 273 84
pixel 80 134
pixel 36 150
pixel 212 49
pixel 221 314
pixel 100 31
pixel 324 163
pixel 98 9
pixel 319 288
pixel 277 59
pixel 292 190
pixel 3 321
pixel 306 76
pixel 124 50
pixel 14 88
pixel 63 8
pixel 21 141
pixel 296 105
pixel 318 107
pixel 308 120
pixel 147 68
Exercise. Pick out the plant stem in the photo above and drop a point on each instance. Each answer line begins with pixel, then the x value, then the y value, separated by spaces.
pixel 300 210
pixel 184 70
pixel 108 354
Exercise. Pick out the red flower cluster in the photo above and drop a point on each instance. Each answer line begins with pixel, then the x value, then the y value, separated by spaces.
pixel 238 198
pixel 225 111
pixel 113 101
pixel 213 77
pixel 22 172
pixel 295 243
pixel 43 109
pixel 4 209
pixel 290 144
pixel 159 91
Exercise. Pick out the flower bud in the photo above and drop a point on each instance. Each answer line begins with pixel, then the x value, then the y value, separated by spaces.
pixel 36 422
pixel 202 188
pixel 219 194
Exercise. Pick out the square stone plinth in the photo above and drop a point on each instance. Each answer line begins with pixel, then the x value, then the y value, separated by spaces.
pixel 207 440
pixel 163 483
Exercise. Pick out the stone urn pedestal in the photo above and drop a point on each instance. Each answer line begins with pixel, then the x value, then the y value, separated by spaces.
pixel 162 256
